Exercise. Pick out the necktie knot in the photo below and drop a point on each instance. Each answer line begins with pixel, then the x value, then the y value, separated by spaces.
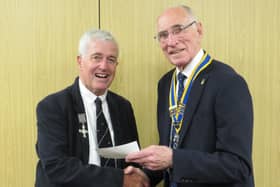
pixel 181 78
pixel 98 104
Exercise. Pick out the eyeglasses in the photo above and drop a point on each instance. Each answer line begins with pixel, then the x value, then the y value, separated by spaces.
pixel 175 31
pixel 97 58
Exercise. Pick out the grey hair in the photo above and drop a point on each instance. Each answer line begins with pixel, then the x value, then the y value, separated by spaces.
pixel 91 35
pixel 189 11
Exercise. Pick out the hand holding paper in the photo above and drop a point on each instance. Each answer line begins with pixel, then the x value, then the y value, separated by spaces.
pixel 154 157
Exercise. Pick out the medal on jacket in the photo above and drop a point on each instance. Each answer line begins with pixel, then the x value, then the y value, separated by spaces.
pixel 177 108
pixel 82 119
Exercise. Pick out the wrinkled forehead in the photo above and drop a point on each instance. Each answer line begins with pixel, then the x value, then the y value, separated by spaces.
pixel 101 46
pixel 171 17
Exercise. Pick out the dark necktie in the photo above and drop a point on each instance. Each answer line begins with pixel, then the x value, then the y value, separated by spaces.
pixel 181 78
pixel 103 133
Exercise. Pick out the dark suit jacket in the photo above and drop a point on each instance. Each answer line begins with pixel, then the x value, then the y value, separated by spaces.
pixel 215 143
pixel 62 150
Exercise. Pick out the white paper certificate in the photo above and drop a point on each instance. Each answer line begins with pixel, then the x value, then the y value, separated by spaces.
pixel 119 151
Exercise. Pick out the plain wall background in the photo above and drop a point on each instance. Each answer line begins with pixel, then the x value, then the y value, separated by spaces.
pixel 38 48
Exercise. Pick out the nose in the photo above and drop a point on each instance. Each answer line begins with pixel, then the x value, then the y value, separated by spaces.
pixel 103 64
pixel 171 40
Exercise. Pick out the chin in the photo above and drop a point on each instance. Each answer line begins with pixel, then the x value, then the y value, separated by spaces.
pixel 178 62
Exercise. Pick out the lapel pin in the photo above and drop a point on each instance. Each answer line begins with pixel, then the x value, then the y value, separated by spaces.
pixel 202 81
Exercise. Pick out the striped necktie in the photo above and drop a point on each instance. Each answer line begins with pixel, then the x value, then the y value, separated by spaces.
pixel 103 133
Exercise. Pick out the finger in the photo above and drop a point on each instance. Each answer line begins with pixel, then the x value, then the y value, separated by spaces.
pixel 147 152
pixel 143 161
pixel 153 166
pixel 128 170
pixel 137 155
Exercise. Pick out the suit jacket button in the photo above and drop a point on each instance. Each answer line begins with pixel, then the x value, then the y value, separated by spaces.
pixel 184 180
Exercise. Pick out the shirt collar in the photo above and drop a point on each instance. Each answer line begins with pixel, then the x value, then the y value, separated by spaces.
pixel 189 67
pixel 88 96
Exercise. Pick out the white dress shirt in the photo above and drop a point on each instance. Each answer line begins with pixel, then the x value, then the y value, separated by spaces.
pixel 88 99
pixel 189 67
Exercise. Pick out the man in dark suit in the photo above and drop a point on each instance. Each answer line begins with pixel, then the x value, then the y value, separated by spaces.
pixel 205 114
pixel 68 135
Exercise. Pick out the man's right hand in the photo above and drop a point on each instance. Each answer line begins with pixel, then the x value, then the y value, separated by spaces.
pixel 134 177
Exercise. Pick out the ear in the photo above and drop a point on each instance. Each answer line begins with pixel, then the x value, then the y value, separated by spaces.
pixel 79 61
pixel 199 29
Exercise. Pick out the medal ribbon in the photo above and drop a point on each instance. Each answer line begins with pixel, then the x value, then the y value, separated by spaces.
pixel 176 109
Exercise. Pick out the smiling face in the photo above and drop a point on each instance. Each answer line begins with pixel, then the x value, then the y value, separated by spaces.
pixel 180 48
pixel 98 65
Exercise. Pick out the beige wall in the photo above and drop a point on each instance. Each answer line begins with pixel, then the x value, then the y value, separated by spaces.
pixel 38 47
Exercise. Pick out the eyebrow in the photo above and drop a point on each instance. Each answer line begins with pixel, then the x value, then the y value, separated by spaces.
pixel 101 54
pixel 173 26
pixel 177 25
pixel 97 53
pixel 111 56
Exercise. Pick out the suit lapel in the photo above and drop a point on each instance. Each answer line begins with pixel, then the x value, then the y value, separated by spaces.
pixel 194 98
pixel 163 116
pixel 81 141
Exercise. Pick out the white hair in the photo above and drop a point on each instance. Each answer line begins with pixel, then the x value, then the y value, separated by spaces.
pixel 189 11
pixel 91 35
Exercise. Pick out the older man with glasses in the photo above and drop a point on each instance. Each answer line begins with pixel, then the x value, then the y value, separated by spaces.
pixel 204 112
